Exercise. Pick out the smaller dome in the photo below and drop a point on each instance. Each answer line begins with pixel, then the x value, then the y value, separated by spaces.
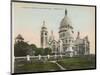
pixel 44 28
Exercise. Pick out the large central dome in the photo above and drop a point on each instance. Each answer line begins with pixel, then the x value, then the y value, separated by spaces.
pixel 65 21
pixel 66 29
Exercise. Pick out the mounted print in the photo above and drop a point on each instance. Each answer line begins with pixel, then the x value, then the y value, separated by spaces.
pixel 51 37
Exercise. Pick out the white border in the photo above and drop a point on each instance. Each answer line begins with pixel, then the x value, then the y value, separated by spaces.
pixel 5 37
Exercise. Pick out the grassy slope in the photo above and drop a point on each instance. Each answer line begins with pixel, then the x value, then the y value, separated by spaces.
pixel 68 63
pixel 78 63
pixel 37 67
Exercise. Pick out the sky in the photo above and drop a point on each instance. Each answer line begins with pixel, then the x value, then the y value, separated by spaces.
pixel 27 20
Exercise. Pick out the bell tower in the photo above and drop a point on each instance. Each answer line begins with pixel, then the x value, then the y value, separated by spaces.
pixel 78 35
pixel 44 36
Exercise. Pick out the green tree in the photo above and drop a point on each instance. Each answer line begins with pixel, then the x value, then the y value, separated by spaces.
pixel 47 51
pixel 39 51
pixel 42 51
pixel 33 49
pixel 21 48
pixel 33 46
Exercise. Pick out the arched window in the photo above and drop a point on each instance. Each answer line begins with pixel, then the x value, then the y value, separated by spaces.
pixel 63 34
pixel 66 41
pixel 45 33
pixel 69 40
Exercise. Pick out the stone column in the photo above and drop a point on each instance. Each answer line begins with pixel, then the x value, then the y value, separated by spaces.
pixel 28 58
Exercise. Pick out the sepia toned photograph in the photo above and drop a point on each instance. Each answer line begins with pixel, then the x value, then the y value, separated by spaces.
pixel 51 37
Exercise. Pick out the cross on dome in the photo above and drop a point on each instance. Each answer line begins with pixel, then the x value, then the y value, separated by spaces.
pixel 43 23
pixel 66 12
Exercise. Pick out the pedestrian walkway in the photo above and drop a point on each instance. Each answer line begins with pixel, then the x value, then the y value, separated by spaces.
pixel 61 67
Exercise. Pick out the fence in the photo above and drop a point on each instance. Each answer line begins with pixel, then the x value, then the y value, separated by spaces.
pixel 40 57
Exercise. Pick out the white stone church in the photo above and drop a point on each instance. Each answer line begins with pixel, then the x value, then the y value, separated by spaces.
pixel 66 45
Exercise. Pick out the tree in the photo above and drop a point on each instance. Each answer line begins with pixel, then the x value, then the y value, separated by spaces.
pixel 39 51
pixel 47 51
pixel 42 51
pixel 21 49
pixel 33 49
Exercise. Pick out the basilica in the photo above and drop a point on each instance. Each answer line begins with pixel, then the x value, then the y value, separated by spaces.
pixel 66 45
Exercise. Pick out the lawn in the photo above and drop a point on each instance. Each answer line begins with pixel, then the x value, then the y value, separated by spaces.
pixel 78 63
pixel 86 62
pixel 35 66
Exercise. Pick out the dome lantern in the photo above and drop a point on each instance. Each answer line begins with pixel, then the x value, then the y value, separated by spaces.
pixel 65 12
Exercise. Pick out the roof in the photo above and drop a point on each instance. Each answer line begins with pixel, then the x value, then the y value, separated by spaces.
pixel 19 37
pixel 79 41
pixel 66 22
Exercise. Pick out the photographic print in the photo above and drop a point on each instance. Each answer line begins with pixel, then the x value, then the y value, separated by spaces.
pixel 51 37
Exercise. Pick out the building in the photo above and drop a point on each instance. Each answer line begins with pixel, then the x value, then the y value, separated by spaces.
pixel 66 44
pixel 81 46
pixel 52 43
pixel 19 38
pixel 44 36
pixel 66 35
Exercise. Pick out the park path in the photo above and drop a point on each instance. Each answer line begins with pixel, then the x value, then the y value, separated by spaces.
pixel 61 67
